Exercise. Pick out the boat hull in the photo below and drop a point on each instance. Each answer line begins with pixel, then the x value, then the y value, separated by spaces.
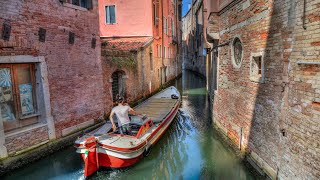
pixel 119 159
pixel 105 154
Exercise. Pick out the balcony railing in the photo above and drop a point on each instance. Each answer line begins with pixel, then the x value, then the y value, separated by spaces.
pixel 174 40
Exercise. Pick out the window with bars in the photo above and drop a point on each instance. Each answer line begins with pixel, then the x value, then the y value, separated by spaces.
pixel 118 84
pixel 82 3
pixel 151 61
pixel 17 95
pixel 110 14
pixel 257 68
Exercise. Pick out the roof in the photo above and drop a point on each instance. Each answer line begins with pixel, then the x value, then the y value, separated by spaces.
pixel 125 43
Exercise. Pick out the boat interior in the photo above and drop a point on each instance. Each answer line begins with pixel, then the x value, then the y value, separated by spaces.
pixel 150 113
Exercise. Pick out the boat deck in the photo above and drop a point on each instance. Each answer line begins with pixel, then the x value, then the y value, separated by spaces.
pixel 156 108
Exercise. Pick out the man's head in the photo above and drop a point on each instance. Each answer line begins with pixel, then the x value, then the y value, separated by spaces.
pixel 120 100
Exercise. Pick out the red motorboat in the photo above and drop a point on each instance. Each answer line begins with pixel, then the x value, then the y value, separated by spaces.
pixel 104 148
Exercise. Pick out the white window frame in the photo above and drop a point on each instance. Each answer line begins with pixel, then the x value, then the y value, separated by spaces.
pixel 115 12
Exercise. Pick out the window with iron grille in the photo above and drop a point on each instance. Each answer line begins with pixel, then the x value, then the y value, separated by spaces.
pixel 257 67
pixel 118 84
pixel 82 3
pixel 17 95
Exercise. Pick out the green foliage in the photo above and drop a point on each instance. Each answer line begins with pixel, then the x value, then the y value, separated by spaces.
pixel 104 44
pixel 124 62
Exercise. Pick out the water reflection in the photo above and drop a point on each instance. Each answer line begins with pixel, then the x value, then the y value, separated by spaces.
pixel 190 149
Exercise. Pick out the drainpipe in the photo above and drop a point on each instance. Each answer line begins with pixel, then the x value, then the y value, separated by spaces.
pixel 304 15
pixel 142 70
pixel 162 60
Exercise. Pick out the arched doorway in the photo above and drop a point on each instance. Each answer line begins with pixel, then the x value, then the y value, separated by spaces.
pixel 118 84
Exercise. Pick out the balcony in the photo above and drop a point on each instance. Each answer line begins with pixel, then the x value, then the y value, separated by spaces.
pixel 174 40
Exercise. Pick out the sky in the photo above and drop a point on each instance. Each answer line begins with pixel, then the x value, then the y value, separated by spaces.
pixel 185 6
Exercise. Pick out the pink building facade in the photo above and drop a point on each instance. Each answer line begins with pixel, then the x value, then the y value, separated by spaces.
pixel 146 18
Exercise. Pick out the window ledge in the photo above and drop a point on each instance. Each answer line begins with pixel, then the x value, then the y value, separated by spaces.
pixel 257 79
pixel 68 5
pixel 29 116
pixel 24 129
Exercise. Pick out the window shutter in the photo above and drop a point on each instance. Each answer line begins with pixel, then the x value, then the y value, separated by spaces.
pixel 112 14
pixel 89 4
pixel 107 14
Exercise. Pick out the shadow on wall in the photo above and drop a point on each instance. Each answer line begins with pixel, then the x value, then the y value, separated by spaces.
pixel 193 51
pixel 277 134
pixel 270 104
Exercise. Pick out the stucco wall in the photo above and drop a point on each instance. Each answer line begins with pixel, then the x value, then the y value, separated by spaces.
pixel 133 18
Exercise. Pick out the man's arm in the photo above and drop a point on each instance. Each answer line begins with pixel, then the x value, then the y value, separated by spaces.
pixel 111 119
pixel 132 112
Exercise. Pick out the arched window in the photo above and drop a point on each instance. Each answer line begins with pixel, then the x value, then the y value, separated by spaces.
pixel 118 84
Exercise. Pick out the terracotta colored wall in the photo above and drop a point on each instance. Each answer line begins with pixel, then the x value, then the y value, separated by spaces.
pixel 133 18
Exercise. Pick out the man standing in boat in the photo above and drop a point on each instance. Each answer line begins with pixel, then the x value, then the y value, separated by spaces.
pixel 122 111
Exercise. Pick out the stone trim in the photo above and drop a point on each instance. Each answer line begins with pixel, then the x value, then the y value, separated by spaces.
pixel 251 20
pixel 232 52
pixel 252 77
pixel 43 98
pixel 77 127
pixel 25 129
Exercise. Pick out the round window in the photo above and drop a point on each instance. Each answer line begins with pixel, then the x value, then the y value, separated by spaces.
pixel 237 52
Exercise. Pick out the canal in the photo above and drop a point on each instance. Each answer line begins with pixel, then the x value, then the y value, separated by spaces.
pixel 190 149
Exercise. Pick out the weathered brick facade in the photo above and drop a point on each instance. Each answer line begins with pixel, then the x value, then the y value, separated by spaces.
pixel 139 77
pixel 193 48
pixel 74 74
pixel 275 118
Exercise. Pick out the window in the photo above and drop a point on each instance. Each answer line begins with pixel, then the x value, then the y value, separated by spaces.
pixel 169 52
pixel 111 14
pixel 257 67
pixel 237 52
pixel 172 27
pixel 17 95
pixel 165 29
pixel 151 62
pixel 164 52
pixel 154 14
pixel 118 84
pixel 82 3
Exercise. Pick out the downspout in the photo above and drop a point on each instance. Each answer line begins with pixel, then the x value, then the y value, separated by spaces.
pixel 142 70
pixel 162 47
pixel 304 15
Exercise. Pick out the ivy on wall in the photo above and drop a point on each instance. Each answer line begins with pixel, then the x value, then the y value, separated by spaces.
pixel 121 60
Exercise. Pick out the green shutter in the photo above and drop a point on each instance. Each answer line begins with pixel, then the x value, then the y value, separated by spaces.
pixel 112 14
pixel 89 4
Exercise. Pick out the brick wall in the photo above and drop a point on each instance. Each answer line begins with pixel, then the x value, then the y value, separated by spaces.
pixel 74 70
pixel 140 81
pixel 278 120
pixel 193 38
pixel 26 139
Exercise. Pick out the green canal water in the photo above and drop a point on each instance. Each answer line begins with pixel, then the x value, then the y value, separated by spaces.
pixel 190 149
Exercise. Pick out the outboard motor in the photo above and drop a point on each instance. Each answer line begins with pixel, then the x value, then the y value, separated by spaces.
pixel 173 96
